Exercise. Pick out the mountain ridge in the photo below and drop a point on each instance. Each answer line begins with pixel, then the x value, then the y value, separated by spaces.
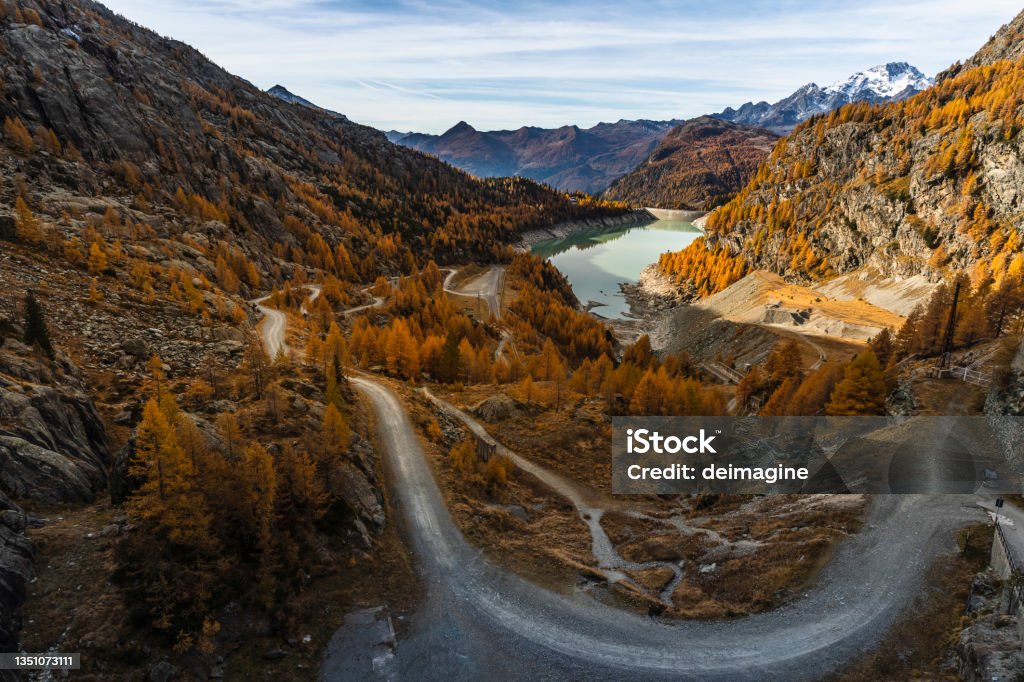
pixel 696 166
pixel 568 157
pixel 925 185
pixel 883 83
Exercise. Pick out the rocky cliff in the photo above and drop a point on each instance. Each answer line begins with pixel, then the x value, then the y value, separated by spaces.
pixel 52 441
pixel 53 449
pixel 931 183
pixel 697 166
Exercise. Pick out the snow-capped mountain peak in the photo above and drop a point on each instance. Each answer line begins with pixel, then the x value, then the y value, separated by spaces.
pixel 883 83
pixel 884 80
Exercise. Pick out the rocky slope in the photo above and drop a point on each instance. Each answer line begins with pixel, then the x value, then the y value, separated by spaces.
pixel 53 449
pixel 95 106
pixel 930 183
pixel 147 195
pixel 569 158
pixel 698 165
pixel 884 83
pixel 15 570
pixel 1006 43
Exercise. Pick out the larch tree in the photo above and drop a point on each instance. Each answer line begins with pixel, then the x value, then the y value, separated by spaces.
pixel 861 390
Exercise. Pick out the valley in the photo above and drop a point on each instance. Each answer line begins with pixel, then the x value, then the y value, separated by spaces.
pixel 284 396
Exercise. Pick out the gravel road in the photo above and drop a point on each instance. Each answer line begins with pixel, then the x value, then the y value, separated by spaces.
pixel 486 285
pixel 272 329
pixel 477 620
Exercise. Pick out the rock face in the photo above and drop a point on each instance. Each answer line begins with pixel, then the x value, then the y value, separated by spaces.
pixel 931 182
pixel 884 83
pixel 992 647
pixel 52 442
pixel 15 571
pixel 52 450
pixel 697 166
pixel 496 408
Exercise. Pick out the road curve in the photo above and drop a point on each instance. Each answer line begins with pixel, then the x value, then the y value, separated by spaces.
pixel 486 285
pixel 272 329
pixel 479 620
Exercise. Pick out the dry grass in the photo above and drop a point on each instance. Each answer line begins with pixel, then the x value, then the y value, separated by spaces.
pixel 764 549
pixel 918 647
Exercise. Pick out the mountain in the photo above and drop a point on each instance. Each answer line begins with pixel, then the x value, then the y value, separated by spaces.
pixel 172 140
pixel 698 165
pixel 926 185
pixel 282 93
pixel 148 196
pixel 569 158
pixel 886 83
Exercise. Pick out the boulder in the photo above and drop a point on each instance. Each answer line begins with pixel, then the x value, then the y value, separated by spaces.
pixel 359 495
pixel 496 408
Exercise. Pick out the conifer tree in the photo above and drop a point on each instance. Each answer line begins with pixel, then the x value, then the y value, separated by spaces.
pixel 862 389
pixel 36 331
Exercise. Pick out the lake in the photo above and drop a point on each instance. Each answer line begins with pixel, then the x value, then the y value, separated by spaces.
pixel 596 262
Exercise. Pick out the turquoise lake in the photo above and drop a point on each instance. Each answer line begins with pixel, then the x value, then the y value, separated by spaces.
pixel 596 262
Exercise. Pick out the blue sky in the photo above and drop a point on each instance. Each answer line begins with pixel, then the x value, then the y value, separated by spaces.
pixel 426 64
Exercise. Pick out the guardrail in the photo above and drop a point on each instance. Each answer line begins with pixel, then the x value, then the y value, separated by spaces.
pixel 1016 590
pixel 971 376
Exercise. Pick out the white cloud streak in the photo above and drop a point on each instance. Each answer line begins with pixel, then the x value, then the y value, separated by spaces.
pixel 426 65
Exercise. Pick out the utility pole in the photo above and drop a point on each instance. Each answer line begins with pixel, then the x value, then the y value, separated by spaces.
pixel 947 343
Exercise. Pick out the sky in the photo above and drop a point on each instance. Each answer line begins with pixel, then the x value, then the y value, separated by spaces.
pixel 424 65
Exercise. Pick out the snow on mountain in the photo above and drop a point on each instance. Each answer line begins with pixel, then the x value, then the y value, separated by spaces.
pixel 884 83
pixel 885 80
pixel 283 93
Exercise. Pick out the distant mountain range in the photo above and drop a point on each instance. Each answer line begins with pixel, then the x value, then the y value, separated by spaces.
pixel 885 83
pixel 591 159
pixel 570 157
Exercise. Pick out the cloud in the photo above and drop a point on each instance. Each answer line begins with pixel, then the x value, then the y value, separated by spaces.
pixel 422 65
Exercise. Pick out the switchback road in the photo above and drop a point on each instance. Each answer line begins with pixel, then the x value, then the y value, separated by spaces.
pixel 478 620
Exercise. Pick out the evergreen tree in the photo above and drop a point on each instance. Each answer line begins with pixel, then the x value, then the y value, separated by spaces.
pixel 36 331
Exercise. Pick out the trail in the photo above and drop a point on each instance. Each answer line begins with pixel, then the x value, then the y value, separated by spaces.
pixel 611 563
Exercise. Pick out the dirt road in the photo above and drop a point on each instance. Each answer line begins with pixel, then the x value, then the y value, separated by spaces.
pixel 486 285
pixel 478 620
pixel 272 329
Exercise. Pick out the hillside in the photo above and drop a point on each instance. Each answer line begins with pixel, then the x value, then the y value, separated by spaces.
pixel 925 185
pixel 698 165
pixel 147 197
pixel 95 106
pixel 569 158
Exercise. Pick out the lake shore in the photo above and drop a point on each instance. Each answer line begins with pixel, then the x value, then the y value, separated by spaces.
pixel 527 240
pixel 650 301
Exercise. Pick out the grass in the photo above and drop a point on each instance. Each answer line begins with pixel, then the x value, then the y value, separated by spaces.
pixel 918 646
